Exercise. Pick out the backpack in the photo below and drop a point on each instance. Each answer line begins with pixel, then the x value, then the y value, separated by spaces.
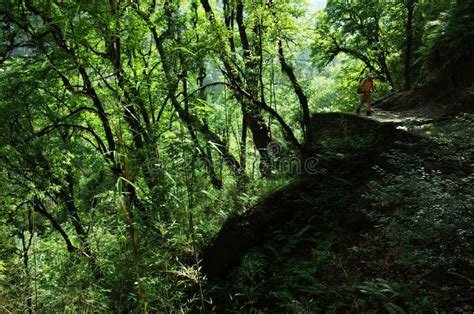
pixel 360 89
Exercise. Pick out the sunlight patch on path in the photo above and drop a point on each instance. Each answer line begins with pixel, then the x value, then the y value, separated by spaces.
pixel 391 117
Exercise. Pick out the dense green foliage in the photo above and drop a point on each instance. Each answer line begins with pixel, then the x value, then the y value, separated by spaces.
pixel 131 130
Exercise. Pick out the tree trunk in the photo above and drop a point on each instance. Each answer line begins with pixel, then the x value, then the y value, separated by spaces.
pixel 409 42
pixel 243 141
pixel 384 68
pixel 288 70
pixel 26 258
pixel 256 122
pixel 68 197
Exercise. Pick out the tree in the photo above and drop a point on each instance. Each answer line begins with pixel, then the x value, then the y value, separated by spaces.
pixel 362 30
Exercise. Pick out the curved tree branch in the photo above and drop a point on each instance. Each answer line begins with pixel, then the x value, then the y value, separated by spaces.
pixel 50 128
pixel 39 207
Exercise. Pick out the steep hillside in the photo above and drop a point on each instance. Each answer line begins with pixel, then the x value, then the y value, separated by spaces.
pixel 385 225
pixel 450 89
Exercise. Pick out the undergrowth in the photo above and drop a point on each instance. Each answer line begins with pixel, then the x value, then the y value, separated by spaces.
pixel 415 255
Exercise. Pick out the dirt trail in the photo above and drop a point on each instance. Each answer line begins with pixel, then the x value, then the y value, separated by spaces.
pixel 454 129
pixel 392 117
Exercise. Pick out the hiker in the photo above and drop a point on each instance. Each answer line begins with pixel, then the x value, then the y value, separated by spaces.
pixel 365 90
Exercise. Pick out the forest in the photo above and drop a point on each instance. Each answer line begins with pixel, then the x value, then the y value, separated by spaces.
pixel 209 156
